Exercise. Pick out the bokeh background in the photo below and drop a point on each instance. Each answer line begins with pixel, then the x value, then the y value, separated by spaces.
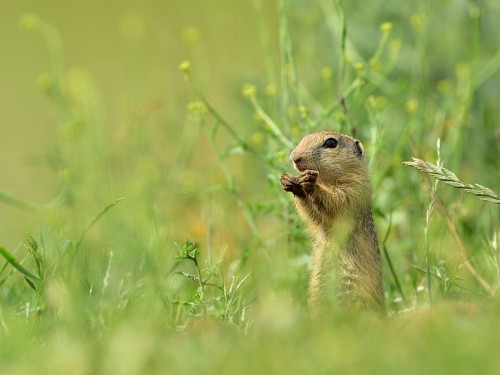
pixel 188 111
pixel 128 53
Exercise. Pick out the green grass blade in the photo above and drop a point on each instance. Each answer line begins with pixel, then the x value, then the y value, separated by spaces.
pixel 96 219
pixel 33 207
pixel 64 250
pixel 13 261
pixel 30 283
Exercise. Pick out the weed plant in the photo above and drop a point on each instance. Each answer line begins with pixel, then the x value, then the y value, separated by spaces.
pixel 176 251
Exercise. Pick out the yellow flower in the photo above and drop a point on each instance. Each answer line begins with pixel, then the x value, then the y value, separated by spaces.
pixel 444 85
pixel 327 73
pixel 377 102
pixel 185 67
pixel 270 90
pixel 411 106
pixel 386 27
pixel 359 67
pixel 418 21
pixel 304 112
pixel 249 90
pixel 197 108
pixel 29 21
pixel 257 138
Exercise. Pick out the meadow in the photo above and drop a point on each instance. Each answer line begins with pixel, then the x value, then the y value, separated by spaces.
pixel 143 228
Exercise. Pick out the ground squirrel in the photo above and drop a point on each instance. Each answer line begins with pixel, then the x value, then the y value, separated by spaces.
pixel 333 194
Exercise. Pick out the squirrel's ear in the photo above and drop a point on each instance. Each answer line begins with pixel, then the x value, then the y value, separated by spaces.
pixel 358 148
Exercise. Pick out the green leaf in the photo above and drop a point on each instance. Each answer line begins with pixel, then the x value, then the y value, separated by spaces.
pixel 187 250
pixel 10 258
pixel 186 274
pixel 30 283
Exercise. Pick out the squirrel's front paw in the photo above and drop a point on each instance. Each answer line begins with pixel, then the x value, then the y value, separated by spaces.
pixel 307 180
pixel 290 183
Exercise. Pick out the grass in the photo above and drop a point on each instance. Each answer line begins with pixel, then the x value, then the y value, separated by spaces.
pixel 202 265
pixel 448 177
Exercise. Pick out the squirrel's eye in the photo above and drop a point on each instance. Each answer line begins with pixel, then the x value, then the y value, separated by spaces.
pixel 330 143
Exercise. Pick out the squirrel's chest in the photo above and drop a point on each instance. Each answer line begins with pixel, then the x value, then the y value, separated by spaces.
pixel 341 231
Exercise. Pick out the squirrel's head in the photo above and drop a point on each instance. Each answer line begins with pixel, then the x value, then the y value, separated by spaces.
pixel 337 157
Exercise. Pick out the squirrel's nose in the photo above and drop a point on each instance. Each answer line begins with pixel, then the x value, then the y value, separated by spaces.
pixel 295 158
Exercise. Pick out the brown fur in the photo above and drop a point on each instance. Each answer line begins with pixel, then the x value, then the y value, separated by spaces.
pixel 333 193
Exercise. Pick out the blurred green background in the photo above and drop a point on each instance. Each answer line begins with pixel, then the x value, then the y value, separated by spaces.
pixel 95 107
pixel 130 52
